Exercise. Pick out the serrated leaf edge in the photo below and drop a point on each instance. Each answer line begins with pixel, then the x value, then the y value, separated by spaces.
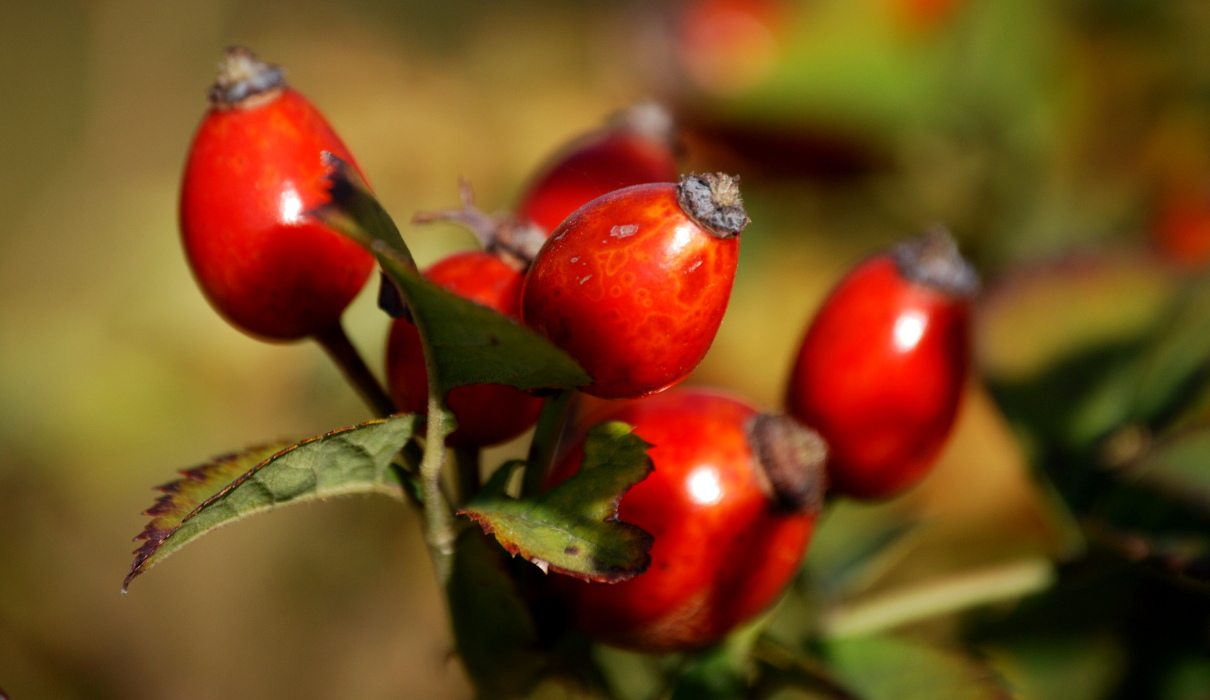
pixel 607 576
pixel 153 538
pixel 645 538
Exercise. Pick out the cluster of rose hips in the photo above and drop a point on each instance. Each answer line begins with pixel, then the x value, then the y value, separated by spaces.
pixel 627 266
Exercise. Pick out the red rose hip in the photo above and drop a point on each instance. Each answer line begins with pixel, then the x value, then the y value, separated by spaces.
pixel 487 414
pixel 253 172
pixel 634 284
pixel 880 372
pixel 637 147
pixel 732 504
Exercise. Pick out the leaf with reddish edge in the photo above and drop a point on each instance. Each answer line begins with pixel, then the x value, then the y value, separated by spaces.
pixel 351 460
pixel 464 342
pixel 573 528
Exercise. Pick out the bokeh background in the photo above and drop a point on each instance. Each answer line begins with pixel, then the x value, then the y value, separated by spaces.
pixel 1069 134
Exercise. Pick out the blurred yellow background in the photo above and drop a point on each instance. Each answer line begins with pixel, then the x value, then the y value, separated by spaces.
pixel 114 372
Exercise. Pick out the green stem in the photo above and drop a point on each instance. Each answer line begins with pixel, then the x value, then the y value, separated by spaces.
pixel 548 436
pixel 467 459
pixel 337 345
pixel 939 597
pixel 439 531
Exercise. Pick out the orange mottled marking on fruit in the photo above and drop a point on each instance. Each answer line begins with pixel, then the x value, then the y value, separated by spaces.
pixel 637 311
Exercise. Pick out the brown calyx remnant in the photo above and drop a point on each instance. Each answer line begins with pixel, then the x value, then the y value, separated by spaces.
pixel 713 201
pixel 933 260
pixel 790 458
pixel 244 80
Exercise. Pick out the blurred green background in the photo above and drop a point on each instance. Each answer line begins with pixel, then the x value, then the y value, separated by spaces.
pixel 1032 128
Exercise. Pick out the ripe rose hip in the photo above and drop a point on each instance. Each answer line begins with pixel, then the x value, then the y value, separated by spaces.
pixel 881 370
pixel 732 504
pixel 634 284
pixel 487 413
pixel 637 147
pixel 253 172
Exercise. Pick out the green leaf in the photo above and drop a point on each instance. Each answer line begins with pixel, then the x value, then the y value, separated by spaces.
pixel 1061 664
pixel 781 666
pixel 715 674
pixel 1156 509
pixel 855 545
pixel 465 342
pixel 350 460
pixel 1057 339
pixel 1187 677
pixel 1158 378
pixel 722 671
pixel 1179 466
pixel 886 668
pixel 1176 363
pixel 495 634
pixel 573 528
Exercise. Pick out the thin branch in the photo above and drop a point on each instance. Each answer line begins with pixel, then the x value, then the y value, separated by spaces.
pixel 337 345
pixel 548 438
pixel 793 669
pixel 939 597
pixel 439 532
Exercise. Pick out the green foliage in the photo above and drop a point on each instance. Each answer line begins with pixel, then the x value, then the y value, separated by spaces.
pixel 497 637
pixel 465 343
pixel 1116 422
pixel 1179 467
pixel 887 668
pixel 350 460
pixel 573 528
pixel 717 674
pixel 852 546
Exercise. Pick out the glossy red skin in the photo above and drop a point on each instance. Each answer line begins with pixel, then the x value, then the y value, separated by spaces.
pixel 637 307
pixel 487 413
pixel 596 165
pixel 884 408
pixel 250 175
pixel 715 562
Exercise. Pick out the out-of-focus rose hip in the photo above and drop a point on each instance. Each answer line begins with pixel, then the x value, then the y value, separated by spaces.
pixel 881 370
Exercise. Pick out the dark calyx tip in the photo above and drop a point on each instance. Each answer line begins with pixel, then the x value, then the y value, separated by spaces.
pixel 933 260
pixel 242 76
pixel 791 458
pixel 713 200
